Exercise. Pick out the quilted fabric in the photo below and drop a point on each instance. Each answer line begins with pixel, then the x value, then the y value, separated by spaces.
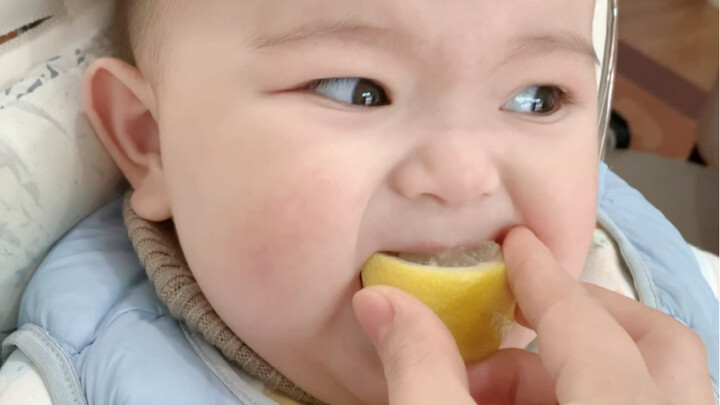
pixel 53 171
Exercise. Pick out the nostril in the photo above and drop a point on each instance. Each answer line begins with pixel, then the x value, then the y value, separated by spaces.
pixel 450 173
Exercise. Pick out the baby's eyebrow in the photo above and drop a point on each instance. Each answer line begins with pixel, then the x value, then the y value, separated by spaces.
pixel 521 47
pixel 540 45
pixel 341 30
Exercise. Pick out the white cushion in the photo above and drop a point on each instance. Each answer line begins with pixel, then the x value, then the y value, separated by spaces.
pixel 71 22
pixel 53 171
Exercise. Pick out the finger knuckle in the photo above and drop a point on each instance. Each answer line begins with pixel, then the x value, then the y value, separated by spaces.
pixel 522 263
pixel 687 341
pixel 404 356
pixel 693 342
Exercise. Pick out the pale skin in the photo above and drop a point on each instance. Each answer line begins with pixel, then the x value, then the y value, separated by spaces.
pixel 281 186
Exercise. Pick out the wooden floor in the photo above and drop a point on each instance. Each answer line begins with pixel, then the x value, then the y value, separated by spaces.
pixel 681 35
pixel 667 64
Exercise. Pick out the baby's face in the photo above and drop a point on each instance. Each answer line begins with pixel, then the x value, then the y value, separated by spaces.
pixel 299 137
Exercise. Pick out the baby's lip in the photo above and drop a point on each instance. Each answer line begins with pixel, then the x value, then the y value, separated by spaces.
pixel 435 248
pixel 423 247
pixel 431 247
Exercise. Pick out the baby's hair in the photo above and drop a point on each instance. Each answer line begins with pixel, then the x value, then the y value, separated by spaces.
pixel 130 25
pixel 139 27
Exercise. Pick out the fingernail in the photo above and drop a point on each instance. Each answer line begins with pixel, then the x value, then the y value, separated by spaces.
pixel 374 312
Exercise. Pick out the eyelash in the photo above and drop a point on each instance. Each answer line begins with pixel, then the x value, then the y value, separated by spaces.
pixel 376 95
pixel 560 99
pixel 373 94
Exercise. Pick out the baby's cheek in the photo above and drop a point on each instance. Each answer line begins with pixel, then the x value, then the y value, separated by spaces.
pixel 570 238
pixel 562 214
pixel 299 231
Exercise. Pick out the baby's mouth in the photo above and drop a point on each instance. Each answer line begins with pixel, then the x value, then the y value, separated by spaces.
pixel 463 256
pixel 465 286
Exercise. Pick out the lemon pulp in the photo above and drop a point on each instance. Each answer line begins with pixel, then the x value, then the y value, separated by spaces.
pixel 471 296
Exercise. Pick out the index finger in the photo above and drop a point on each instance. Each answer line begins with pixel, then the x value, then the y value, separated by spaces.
pixel 588 354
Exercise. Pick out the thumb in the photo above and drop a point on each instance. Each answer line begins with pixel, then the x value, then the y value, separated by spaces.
pixel 420 359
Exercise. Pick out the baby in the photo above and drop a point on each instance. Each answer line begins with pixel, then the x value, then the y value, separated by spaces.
pixel 290 140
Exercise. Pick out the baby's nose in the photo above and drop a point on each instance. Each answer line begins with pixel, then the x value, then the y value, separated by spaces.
pixel 453 170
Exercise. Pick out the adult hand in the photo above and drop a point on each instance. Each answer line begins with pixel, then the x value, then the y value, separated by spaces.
pixel 596 347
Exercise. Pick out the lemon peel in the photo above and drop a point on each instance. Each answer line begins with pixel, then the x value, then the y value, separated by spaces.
pixel 474 302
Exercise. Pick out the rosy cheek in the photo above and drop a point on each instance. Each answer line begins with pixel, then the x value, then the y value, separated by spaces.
pixel 570 244
pixel 295 228
pixel 564 220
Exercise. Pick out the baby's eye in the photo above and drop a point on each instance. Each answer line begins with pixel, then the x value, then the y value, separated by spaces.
pixel 542 100
pixel 351 90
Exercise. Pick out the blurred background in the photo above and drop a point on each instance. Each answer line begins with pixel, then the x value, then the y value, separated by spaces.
pixel 665 139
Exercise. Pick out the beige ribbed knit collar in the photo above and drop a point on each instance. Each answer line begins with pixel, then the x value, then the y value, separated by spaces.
pixel 159 251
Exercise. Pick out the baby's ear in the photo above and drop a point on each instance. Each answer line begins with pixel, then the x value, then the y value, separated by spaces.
pixel 120 104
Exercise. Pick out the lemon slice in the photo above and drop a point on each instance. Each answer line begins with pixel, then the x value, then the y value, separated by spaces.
pixel 466 288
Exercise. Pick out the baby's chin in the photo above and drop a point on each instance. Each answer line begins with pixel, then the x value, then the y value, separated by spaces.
pixel 355 377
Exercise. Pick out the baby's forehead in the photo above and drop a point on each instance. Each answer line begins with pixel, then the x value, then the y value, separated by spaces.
pixel 258 17
pixel 448 30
